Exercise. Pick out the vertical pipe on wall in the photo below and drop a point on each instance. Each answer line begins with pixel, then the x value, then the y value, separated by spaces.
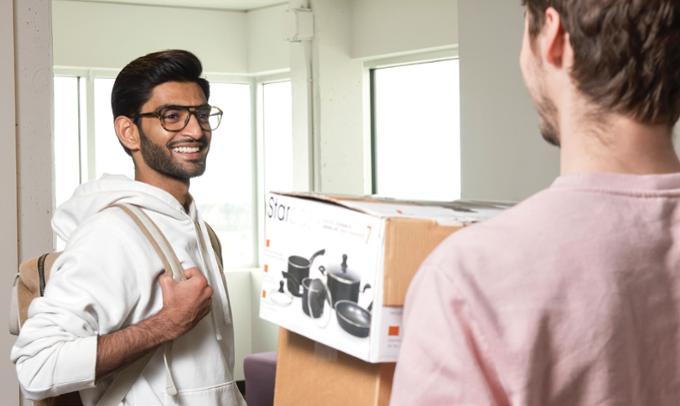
pixel 304 166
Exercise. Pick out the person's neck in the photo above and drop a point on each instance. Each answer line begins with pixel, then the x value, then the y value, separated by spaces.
pixel 179 189
pixel 615 143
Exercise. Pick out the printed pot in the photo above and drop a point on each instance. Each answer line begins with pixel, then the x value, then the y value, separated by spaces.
pixel 298 269
pixel 343 284
pixel 313 297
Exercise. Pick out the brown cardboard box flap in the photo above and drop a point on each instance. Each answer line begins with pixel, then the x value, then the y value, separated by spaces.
pixel 408 242
pixel 446 212
pixel 309 376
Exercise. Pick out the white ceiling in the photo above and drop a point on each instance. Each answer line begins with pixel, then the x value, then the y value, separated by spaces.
pixel 214 4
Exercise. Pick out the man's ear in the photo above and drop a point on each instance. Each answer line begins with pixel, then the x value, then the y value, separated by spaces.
pixel 554 40
pixel 127 132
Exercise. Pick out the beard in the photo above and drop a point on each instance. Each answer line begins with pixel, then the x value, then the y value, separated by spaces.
pixel 159 158
pixel 533 74
pixel 547 112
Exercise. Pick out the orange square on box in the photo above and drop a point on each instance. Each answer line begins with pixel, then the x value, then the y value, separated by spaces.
pixel 266 268
pixel 264 293
pixel 393 331
pixel 266 243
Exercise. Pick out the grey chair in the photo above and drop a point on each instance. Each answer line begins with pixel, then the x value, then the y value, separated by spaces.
pixel 260 375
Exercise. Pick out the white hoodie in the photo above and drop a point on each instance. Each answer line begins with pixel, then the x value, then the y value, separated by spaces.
pixel 107 279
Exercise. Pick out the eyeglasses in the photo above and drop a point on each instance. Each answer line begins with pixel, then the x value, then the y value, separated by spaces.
pixel 176 118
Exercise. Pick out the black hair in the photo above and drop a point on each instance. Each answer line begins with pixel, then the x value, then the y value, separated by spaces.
pixel 134 84
pixel 136 81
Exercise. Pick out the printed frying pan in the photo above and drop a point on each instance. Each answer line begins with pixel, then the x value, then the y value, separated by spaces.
pixel 353 318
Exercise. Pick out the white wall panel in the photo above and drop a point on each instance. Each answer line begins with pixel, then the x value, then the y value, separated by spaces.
pixel 268 49
pixel 385 27
pixel 502 153
pixel 104 35
pixel 9 249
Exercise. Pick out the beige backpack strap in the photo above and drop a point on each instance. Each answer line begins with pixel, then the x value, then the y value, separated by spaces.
pixel 215 243
pixel 127 375
pixel 157 240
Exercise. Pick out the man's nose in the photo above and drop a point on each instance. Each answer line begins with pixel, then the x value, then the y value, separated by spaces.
pixel 193 127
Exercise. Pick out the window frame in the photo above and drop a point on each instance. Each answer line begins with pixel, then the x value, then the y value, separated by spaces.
pixel 369 68
pixel 258 89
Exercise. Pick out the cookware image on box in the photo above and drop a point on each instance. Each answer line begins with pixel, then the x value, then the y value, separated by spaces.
pixel 298 269
pixel 279 297
pixel 353 318
pixel 336 267
pixel 343 283
pixel 314 297
pixel 341 292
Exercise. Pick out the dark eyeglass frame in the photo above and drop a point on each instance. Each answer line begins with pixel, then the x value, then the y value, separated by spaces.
pixel 192 110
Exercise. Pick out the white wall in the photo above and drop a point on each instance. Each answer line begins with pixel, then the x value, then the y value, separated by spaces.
pixel 33 63
pixel 347 32
pixel 384 27
pixel 104 35
pixel 9 249
pixel 338 100
pixel 26 175
pixel 264 334
pixel 503 156
pixel 268 50
pixel 239 285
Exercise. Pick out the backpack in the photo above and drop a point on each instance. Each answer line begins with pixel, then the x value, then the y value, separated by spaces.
pixel 34 274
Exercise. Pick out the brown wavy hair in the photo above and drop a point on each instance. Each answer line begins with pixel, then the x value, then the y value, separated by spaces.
pixel 626 53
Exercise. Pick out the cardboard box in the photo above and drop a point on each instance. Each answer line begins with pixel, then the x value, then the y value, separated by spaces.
pixel 310 374
pixel 349 294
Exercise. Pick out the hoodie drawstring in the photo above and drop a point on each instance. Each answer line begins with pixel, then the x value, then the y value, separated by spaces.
pixel 207 260
pixel 170 386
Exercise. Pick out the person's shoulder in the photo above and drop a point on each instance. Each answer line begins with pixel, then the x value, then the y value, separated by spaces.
pixel 109 245
pixel 507 244
pixel 110 229
pixel 496 229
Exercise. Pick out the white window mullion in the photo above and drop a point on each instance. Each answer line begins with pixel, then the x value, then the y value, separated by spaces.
pixel 89 149
pixel 258 211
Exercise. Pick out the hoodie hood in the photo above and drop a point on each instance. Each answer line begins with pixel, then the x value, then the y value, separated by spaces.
pixel 90 198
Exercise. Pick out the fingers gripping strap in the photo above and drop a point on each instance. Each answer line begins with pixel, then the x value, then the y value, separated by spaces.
pixel 157 240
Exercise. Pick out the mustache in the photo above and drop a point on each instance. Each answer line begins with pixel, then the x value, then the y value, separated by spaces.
pixel 201 143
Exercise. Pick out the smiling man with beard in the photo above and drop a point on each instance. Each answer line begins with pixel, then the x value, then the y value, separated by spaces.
pixel 572 297
pixel 108 303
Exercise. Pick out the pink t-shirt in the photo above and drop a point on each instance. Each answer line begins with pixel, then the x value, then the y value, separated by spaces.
pixel 570 298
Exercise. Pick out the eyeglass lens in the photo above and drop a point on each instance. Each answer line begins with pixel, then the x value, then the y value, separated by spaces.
pixel 176 118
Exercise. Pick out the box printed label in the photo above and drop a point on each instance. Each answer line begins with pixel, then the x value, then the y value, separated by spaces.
pixel 322 280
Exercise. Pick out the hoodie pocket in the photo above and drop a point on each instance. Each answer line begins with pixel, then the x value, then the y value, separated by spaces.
pixel 226 394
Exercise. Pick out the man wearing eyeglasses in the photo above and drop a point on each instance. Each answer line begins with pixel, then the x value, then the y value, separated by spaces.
pixel 108 303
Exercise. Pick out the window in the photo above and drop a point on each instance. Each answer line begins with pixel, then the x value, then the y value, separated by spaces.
pixel 225 193
pixel 67 126
pixel 416 141
pixel 109 155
